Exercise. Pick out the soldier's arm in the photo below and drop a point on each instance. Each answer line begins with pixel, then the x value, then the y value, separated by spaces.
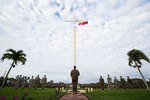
pixel 71 74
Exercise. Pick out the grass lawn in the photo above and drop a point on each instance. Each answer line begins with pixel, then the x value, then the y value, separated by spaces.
pixel 30 94
pixel 97 94
pixel 120 94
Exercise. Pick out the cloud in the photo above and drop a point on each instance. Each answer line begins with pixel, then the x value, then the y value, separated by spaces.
pixel 39 28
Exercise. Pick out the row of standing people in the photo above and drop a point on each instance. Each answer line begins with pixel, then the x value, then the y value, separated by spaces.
pixel 24 81
pixel 116 83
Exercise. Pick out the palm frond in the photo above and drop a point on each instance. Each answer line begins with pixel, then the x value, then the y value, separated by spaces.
pixel 142 56
pixel 139 62
pixel 136 56
pixel 22 60
pixel 6 56
pixel 20 51
pixel 11 50
pixel 130 62
pixel 18 56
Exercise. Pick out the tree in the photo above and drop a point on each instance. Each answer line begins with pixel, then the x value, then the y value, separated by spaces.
pixel 16 57
pixel 135 57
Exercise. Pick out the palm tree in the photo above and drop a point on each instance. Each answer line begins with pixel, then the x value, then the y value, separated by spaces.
pixel 16 57
pixel 135 57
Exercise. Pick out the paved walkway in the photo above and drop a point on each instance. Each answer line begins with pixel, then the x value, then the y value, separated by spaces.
pixel 72 96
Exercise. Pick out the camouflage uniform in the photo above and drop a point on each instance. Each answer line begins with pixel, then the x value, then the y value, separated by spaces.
pixel 129 82
pixel 20 81
pixel 101 80
pixel 44 80
pixel 31 82
pixel 116 82
pixel 17 82
pixel 37 82
pixel 123 82
pixel 74 74
pixel 109 82
pixel 24 81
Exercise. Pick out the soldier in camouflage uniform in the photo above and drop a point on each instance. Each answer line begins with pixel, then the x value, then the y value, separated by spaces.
pixel 31 82
pixel 44 80
pixel 74 74
pixel 109 82
pixel 17 82
pixel 37 82
pixel 116 83
pixel 20 80
pixel 101 80
pixel 24 81
pixel 129 82
pixel 123 82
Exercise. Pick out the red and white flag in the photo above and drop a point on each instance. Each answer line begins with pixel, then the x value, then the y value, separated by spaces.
pixel 83 23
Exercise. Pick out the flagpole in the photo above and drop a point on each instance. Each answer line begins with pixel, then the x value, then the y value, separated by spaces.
pixel 74 41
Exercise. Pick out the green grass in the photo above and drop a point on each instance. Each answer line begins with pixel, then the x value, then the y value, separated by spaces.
pixel 97 94
pixel 121 94
pixel 38 94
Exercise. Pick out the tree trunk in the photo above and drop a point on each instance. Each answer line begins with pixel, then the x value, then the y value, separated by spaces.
pixel 147 87
pixel 4 81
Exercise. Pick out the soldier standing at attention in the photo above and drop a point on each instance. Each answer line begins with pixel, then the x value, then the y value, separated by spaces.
pixel 20 80
pixel 24 82
pixel 17 82
pixel 74 74
pixel 31 82
pixel 101 80
pixel 116 82
pixel 129 82
pixel 109 82
pixel 37 82
pixel 123 82
pixel 44 80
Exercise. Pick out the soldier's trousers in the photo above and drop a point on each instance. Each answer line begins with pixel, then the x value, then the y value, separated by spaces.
pixel 74 83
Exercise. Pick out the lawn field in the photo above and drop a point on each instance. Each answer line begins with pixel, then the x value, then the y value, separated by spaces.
pixel 120 94
pixel 97 94
pixel 30 94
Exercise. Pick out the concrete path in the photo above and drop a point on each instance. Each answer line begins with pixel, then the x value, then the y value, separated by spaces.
pixel 72 96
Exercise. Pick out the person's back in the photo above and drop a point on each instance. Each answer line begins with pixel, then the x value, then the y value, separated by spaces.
pixel 74 75
pixel 101 82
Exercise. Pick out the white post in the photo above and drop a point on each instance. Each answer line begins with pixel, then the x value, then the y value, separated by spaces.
pixel 91 89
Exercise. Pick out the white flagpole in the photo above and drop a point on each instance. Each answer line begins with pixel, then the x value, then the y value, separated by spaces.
pixel 75 44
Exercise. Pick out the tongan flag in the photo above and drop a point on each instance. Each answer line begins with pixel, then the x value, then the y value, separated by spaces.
pixel 83 23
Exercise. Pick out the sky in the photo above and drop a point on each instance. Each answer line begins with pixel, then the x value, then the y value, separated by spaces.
pixel 39 28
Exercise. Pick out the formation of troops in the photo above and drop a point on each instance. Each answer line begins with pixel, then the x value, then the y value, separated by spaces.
pixel 24 81
pixel 21 81
pixel 115 83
